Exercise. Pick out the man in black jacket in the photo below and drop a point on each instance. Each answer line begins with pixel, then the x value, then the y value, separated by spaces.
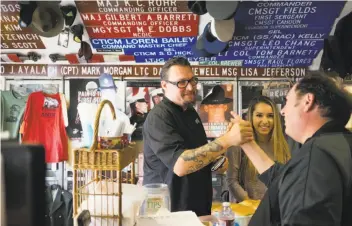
pixel 314 188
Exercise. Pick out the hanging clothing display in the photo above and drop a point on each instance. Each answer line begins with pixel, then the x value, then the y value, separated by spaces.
pixel 43 123
pixel 12 107
pixel 58 211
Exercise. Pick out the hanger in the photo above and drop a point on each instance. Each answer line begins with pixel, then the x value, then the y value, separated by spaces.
pixel 49 89
pixel 20 90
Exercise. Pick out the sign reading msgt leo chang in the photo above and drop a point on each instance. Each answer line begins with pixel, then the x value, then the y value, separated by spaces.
pixel 143 71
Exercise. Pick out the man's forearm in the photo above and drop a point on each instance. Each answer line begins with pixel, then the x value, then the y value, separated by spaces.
pixel 258 157
pixel 193 160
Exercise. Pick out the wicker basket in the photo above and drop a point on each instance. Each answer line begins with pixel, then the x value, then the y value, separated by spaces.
pixel 104 159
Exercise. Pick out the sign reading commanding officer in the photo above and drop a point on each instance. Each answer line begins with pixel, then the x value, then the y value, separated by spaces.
pixel 176 151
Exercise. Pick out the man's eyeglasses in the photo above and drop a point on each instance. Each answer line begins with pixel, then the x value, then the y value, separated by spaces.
pixel 184 83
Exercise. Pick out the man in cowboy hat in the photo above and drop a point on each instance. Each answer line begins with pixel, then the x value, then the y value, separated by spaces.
pixel 176 149
pixel 216 104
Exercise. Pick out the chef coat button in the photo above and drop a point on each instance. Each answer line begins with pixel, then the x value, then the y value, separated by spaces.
pixel 60 216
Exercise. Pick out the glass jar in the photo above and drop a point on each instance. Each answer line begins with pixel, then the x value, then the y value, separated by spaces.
pixel 158 196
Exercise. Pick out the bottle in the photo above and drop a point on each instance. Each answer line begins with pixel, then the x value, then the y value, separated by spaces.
pixel 226 216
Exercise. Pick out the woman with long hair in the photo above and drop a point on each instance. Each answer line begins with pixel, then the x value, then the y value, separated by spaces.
pixel 242 178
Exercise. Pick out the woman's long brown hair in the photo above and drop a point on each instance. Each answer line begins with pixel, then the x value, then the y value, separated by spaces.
pixel 281 151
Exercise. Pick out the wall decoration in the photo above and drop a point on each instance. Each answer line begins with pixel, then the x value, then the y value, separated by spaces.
pixel 250 89
pixel 215 107
pixel 273 34
pixel 130 25
pixel 118 26
pixel 139 101
pixel 19 58
pixel 132 6
pixel 86 91
pixel 145 70
pixel 147 47
pixel 144 29
pixel 13 36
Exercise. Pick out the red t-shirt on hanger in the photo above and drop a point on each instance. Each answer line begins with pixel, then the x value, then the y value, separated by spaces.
pixel 43 123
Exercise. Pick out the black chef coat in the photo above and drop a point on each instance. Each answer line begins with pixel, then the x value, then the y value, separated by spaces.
pixel 314 187
pixel 167 132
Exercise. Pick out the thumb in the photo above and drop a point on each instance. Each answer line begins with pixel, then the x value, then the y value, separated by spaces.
pixel 236 116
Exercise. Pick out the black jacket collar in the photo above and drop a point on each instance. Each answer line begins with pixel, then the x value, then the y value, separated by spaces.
pixel 329 127
pixel 173 105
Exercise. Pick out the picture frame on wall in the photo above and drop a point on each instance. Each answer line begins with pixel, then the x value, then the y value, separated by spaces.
pixel 149 91
pixel 84 97
pixel 215 101
pixel 274 89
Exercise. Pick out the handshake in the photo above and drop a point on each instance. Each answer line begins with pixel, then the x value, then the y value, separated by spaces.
pixel 238 132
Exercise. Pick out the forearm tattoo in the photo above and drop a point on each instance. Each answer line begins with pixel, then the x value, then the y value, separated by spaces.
pixel 202 156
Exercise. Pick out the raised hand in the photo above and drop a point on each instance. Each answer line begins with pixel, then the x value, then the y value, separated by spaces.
pixel 239 131
pixel 229 126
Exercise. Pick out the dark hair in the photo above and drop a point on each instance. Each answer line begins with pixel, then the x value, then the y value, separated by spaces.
pixel 333 101
pixel 180 61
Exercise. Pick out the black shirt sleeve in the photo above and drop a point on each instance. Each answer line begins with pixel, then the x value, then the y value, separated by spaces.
pixel 313 195
pixel 270 174
pixel 161 135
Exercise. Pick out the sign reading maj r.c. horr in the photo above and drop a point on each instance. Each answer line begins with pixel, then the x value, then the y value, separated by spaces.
pixel 132 6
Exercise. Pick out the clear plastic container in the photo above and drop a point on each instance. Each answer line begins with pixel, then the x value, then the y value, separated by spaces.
pixel 158 197
pixel 226 216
